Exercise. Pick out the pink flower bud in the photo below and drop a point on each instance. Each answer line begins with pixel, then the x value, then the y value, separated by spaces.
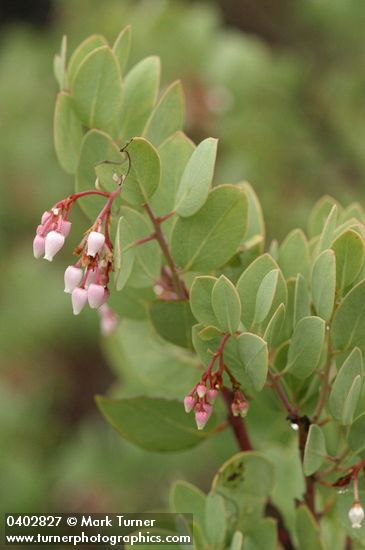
pixel 212 395
pixel 95 295
pixel 201 390
pixel 208 409
pixel 40 230
pixel 108 321
pixel 79 299
pixel 73 276
pixel 38 246
pixel 189 403
pixel 54 243
pixel 235 408
pixel 201 418
pixel 95 242
pixel 65 228
pixel 45 217
pixel 243 408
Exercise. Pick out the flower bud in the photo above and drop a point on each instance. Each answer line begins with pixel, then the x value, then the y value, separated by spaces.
pixel 54 243
pixel 208 409
pixel 95 242
pixel 72 277
pixel 108 321
pixel 201 390
pixel 38 246
pixel 79 299
pixel 189 403
pixel 356 515
pixel 212 395
pixel 201 418
pixel 45 217
pixel 95 295
pixel 235 408
pixel 243 408
pixel 65 228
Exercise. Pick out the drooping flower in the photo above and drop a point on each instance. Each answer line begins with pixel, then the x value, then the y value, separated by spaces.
pixel 95 243
pixel 356 515
pixel 53 243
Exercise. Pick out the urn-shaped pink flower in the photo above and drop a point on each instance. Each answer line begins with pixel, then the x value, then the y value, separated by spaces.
pixel 39 244
pixel 95 295
pixel 54 243
pixel 72 277
pixel 189 403
pixel 79 299
pixel 95 243
pixel 201 418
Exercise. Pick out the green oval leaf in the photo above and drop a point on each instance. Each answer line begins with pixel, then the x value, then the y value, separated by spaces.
pixel 315 450
pixel 144 176
pixel 140 93
pixel 348 326
pixel 197 178
pixel 265 296
pixel 97 89
pixel 349 251
pixel 255 358
pixel 215 520
pixel 173 321
pixel 302 306
pixel 87 46
pixel 249 284
pixel 307 530
pixel 68 133
pixel 226 305
pixel 121 47
pixel 201 300
pixel 211 237
pixel 158 425
pixel 59 65
pixel 306 346
pixel 343 399
pixel 355 436
pixel 294 255
pixel 324 284
pixel 168 115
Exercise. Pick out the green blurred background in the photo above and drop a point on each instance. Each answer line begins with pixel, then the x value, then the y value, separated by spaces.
pixel 280 83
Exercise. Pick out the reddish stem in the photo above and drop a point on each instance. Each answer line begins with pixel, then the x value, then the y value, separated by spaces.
pixel 160 237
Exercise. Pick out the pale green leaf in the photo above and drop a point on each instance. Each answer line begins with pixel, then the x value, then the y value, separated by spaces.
pixel 315 450
pixel 67 133
pixel 273 333
pixel 342 398
pixel 197 178
pixel 154 424
pixel 349 251
pixel 324 283
pixel 328 231
pixel 319 215
pixel 144 176
pixel 174 155
pixel 186 498
pixel 306 346
pixel 215 520
pixel 201 300
pixel 307 530
pixel 211 237
pixel 301 299
pixel 121 47
pixel 87 46
pixel 294 255
pixel 265 296
pixel 226 305
pixel 173 321
pixel 140 93
pixel 97 89
pixel 168 115
pixel 249 284
pixel 59 65
pixel 348 326
pixel 255 358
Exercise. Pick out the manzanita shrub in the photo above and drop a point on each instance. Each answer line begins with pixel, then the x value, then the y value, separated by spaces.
pixel 216 322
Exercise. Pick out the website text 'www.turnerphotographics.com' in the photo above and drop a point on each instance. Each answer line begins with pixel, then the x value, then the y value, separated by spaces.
pixel 117 530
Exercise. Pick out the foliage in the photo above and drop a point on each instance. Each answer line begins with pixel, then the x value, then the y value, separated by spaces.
pixel 285 327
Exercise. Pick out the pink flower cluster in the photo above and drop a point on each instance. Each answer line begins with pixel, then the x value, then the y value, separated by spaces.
pixel 87 280
pixel 201 399
pixel 239 405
